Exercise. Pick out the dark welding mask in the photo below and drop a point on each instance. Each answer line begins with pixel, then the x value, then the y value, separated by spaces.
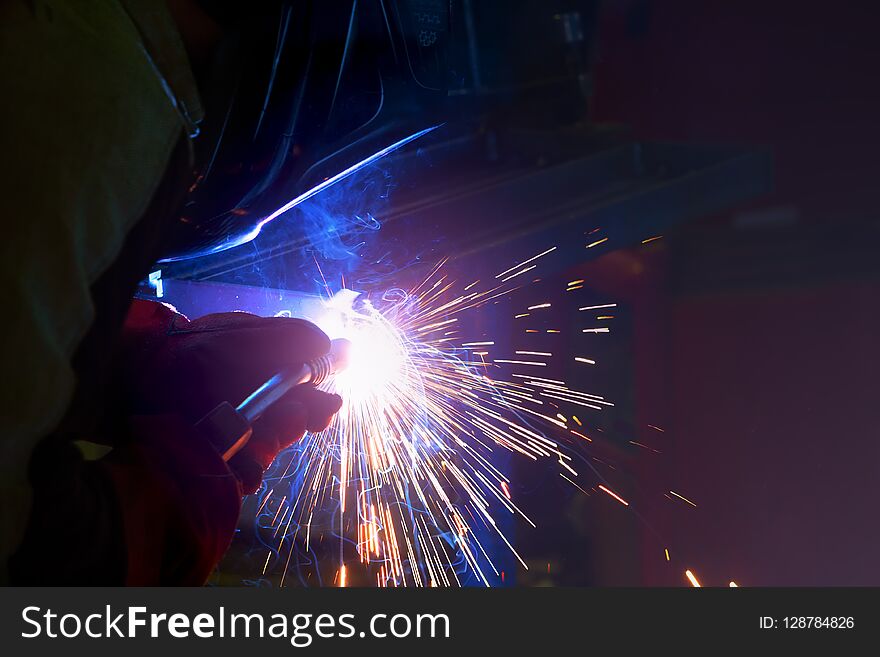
pixel 314 90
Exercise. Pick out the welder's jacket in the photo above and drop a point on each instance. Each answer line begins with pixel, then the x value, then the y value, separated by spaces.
pixel 99 105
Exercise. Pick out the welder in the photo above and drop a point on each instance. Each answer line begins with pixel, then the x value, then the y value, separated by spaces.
pixel 136 132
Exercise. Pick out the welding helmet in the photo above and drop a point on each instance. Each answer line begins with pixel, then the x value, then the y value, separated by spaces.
pixel 314 88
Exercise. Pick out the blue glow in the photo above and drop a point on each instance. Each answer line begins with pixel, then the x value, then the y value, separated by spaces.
pixel 249 237
pixel 155 281
pixel 343 174
pixel 332 181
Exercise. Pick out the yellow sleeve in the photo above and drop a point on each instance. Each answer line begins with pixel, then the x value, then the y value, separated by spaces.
pixel 88 126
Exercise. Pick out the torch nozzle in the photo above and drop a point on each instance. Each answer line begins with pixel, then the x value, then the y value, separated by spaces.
pixel 229 429
pixel 336 360
pixel 314 372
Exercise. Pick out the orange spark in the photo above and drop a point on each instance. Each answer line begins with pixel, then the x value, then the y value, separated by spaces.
pixel 614 495
pixel 682 497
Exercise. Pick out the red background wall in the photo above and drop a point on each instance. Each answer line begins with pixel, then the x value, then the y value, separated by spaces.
pixel 757 339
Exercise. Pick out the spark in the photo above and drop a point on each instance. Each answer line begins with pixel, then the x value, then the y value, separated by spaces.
pixel 596 330
pixel 577 282
pixel 652 239
pixel 435 326
pixel 321 272
pixel 597 242
pixel 694 581
pixel 733 585
pixel 613 494
pixel 538 378
pixel 682 497
pixel 604 305
pixel 540 305
pixel 525 262
pixel 580 359
pixel 404 479
pixel 521 271
pixel 574 483
pixel 643 446
pixel 666 551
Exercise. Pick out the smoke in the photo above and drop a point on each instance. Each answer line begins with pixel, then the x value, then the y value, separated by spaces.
pixel 338 223
pixel 329 238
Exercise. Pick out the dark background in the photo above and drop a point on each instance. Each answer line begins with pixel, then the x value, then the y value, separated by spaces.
pixel 756 330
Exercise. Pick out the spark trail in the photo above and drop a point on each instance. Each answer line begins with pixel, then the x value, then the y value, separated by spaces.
pixel 403 481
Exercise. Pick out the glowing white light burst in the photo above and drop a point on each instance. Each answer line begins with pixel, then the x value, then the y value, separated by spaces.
pixel 377 359
pixel 403 480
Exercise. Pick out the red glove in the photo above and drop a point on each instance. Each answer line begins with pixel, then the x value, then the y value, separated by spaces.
pixel 179 502
pixel 162 507
pixel 173 365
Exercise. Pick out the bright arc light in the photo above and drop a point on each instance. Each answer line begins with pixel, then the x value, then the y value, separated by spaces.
pixel 376 359
pixel 403 482
pixel 693 579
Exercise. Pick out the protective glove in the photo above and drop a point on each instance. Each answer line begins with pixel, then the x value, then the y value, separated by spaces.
pixel 170 364
pixel 159 509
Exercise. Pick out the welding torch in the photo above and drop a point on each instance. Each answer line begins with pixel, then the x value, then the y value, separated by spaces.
pixel 229 428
